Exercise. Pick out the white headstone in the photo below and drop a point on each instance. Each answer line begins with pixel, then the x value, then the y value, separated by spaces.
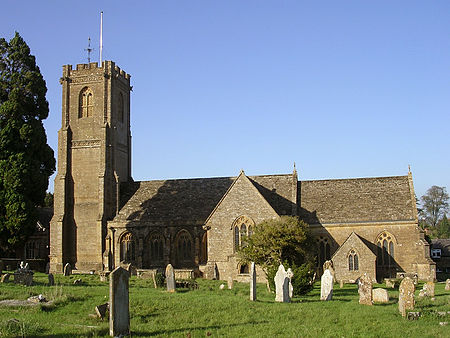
pixel 282 285
pixel 326 286
pixel 290 274
pixel 67 269
pixel 170 278
pixel 252 282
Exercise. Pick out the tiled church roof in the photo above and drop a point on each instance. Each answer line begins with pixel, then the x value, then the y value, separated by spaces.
pixel 190 201
pixel 356 200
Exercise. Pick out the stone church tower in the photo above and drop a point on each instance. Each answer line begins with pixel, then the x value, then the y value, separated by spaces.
pixel 94 156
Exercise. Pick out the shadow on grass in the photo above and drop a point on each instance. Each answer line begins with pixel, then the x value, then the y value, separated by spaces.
pixel 188 329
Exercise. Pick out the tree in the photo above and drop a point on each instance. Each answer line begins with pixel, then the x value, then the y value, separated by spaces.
pixel 26 160
pixel 443 228
pixel 287 241
pixel 435 204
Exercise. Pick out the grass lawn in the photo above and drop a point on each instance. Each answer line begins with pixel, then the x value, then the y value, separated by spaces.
pixel 214 312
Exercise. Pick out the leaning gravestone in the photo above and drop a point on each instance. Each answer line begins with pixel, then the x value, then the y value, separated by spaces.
pixel 365 290
pixel 170 278
pixel 5 278
pixel 281 285
pixel 252 282
pixel 51 279
pixel 406 295
pixel 326 286
pixel 119 311
pixel 447 285
pixel 67 269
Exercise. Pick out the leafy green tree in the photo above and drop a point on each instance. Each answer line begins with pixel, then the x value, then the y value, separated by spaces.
pixel 443 228
pixel 48 200
pixel 435 204
pixel 286 240
pixel 26 160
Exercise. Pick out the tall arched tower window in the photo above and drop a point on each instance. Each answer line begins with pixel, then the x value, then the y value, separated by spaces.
pixel 242 229
pixel 121 108
pixel 86 103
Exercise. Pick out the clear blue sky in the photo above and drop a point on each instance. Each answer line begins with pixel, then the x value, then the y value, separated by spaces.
pixel 343 88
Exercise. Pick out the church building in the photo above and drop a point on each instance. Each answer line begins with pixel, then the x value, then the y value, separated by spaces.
pixel 103 219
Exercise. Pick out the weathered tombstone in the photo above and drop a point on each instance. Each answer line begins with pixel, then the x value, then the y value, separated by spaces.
pixel 100 310
pixel 155 285
pixel 215 272
pixel 119 311
pixel 427 290
pixel 230 282
pixel 289 275
pixel 103 276
pixel 341 283
pixel 170 278
pixel 222 286
pixel 406 295
pixel 380 296
pixel 328 265
pixel 447 285
pixel 47 268
pixel 252 282
pixel 281 285
pixel 67 269
pixel 326 286
pixel 390 283
pixel 5 278
pixel 365 290
pixel 51 279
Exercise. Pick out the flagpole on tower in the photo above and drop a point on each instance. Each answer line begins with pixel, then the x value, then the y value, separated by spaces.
pixel 101 37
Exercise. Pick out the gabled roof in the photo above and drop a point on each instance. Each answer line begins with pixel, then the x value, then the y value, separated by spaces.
pixel 191 201
pixel 443 244
pixel 348 244
pixel 356 200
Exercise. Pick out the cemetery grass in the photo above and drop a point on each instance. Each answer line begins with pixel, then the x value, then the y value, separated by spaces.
pixel 211 311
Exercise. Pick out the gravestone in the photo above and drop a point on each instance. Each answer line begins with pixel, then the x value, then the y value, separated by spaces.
pixel 341 283
pixel 289 275
pixel 281 285
pixel 5 278
pixel 100 310
pixel 365 290
pixel 447 285
pixel 222 286
pixel 51 279
pixel 326 285
pixel 103 276
pixel 328 265
pixel 430 289
pixel 170 278
pixel 215 272
pixel 252 282
pixel 67 269
pixel 380 296
pixel 406 295
pixel 155 285
pixel 119 311
pixel 230 282
pixel 389 283
pixel 23 275
pixel 47 268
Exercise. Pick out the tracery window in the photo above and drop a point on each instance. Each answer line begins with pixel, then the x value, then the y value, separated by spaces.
pixel 184 247
pixel 156 247
pixel 127 248
pixel 323 250
pixel 32 250
pixel 86 104
pixel 385 255
pixel 242 229
pixel 353 262
pixel 204 249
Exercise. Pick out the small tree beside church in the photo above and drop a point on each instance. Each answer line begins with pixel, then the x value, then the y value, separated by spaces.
pixel 26 160
pixel 286 240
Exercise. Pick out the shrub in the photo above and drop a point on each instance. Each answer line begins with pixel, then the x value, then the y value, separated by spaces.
pixel 160 280
pixel 301 281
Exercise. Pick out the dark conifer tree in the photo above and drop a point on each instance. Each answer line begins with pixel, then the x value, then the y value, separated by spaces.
pixel 26 160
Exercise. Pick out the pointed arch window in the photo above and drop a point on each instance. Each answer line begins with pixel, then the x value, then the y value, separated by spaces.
pixel 386 244
pixel 86 103
pixel 127 248
pixel 242 229
pixel 156 248
pixel 184 248
pixel 323 250
pixel 353 261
